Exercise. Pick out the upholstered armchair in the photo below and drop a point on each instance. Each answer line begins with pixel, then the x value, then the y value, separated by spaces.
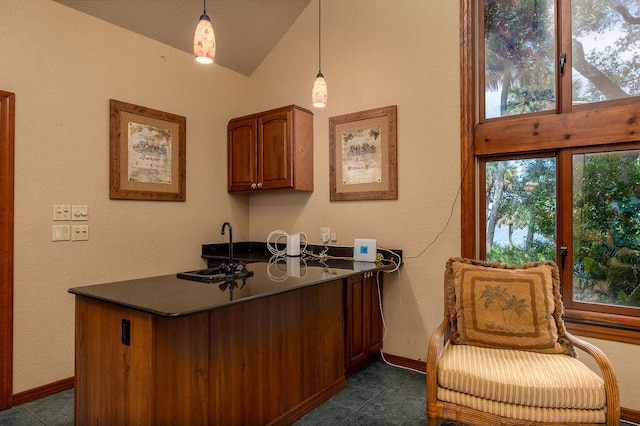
pixel 502 355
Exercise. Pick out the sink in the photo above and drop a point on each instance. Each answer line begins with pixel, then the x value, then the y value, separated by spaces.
pixel 217 274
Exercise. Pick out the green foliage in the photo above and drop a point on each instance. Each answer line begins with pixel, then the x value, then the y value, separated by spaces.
pixel 593 268
pixel 528 202
pixel 606 221
pixel 517 255
pixel 606 226
pixel 632 299
pixel 622 277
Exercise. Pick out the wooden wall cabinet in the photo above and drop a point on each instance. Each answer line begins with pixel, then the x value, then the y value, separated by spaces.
pixel 271 150
pixel 364 328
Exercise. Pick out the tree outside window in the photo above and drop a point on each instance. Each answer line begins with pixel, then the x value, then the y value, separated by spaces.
pixel 606 227
pixel 521 63
pixel 521 210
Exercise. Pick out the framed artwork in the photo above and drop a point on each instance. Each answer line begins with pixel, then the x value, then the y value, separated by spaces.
pixel 363 161
pixel 147 154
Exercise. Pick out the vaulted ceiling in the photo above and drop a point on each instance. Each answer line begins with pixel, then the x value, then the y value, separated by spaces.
pixel 246 30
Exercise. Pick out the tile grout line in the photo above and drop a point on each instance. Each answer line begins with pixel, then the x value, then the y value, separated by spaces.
pixel 377 394
pixel 34 415
pixel 357 410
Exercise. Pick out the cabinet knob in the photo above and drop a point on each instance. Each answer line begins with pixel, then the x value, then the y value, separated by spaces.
pixel 259 185
pixel 254 186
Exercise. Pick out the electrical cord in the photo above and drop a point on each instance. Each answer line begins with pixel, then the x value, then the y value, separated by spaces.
pixel 444 228
pixel 273 249
pixel 279 234
pixel 384 330
pixel 323 256
pixel 277 262
pixel 392 260
pixel 455 200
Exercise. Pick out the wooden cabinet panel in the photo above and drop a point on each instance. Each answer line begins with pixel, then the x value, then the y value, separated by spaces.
pixel 376 328
pixel 257 370
pixel 181 380
pixel 323 340
pixel 264 361
pixel 271 150
pixel 112 380
pixel 284 352
pixel 242 140
pixel 274 150
pixel 355 337
pixel 364 329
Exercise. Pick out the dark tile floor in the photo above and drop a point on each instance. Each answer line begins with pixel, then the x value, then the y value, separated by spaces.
pixel 378 395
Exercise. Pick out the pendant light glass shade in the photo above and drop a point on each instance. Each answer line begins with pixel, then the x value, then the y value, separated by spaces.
pixel 319 91
pixel 204 41
pixel 319 94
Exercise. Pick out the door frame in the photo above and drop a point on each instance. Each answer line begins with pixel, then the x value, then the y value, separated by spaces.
pixel 7 133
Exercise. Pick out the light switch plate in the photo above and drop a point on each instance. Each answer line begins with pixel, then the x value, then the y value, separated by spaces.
pixel 60 233
pixel 79 232
pixel 61 212
pixel 79 212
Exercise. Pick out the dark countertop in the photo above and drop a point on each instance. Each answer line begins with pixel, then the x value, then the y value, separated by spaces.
pixel 170 296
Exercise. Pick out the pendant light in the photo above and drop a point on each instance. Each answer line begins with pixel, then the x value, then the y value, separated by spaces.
pixel 319 92
pixel 204 41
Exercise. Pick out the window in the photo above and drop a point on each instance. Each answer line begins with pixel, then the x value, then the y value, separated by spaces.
pixel 520 214
pixel 605 46
pixel 519 57
pixel 521 63
pixel 606 229
pixel 552 121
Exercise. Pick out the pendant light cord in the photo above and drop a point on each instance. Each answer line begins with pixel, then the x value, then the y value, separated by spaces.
pixel 319 36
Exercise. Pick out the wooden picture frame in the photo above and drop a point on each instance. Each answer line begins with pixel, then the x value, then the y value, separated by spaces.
pixel 147 154
pixel 363 155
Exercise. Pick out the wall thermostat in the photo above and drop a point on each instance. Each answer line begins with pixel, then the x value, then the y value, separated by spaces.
pixel 364 250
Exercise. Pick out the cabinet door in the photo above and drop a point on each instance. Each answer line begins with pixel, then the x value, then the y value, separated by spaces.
pixel 374 323
pixel 364 328
pixel 242 169
pixel 275 166
pixel 356 346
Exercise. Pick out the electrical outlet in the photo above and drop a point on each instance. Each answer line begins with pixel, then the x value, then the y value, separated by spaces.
pixel 325 234
pixel 334 237
pixel 126 332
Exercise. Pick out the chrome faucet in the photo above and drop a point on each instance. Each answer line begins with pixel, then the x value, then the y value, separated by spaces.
pixel 231 265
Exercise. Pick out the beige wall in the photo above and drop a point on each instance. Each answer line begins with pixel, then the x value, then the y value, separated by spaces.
pixel 64 66
pixel 396 53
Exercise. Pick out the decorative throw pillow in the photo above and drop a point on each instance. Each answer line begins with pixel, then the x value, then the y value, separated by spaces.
pixel 502 306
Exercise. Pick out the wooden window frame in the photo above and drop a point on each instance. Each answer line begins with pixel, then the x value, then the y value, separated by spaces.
pixel 604 123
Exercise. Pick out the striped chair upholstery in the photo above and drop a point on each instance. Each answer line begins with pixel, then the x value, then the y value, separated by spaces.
pixel 485 386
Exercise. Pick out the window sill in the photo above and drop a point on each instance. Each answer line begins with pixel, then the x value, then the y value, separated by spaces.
pixel 616 328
